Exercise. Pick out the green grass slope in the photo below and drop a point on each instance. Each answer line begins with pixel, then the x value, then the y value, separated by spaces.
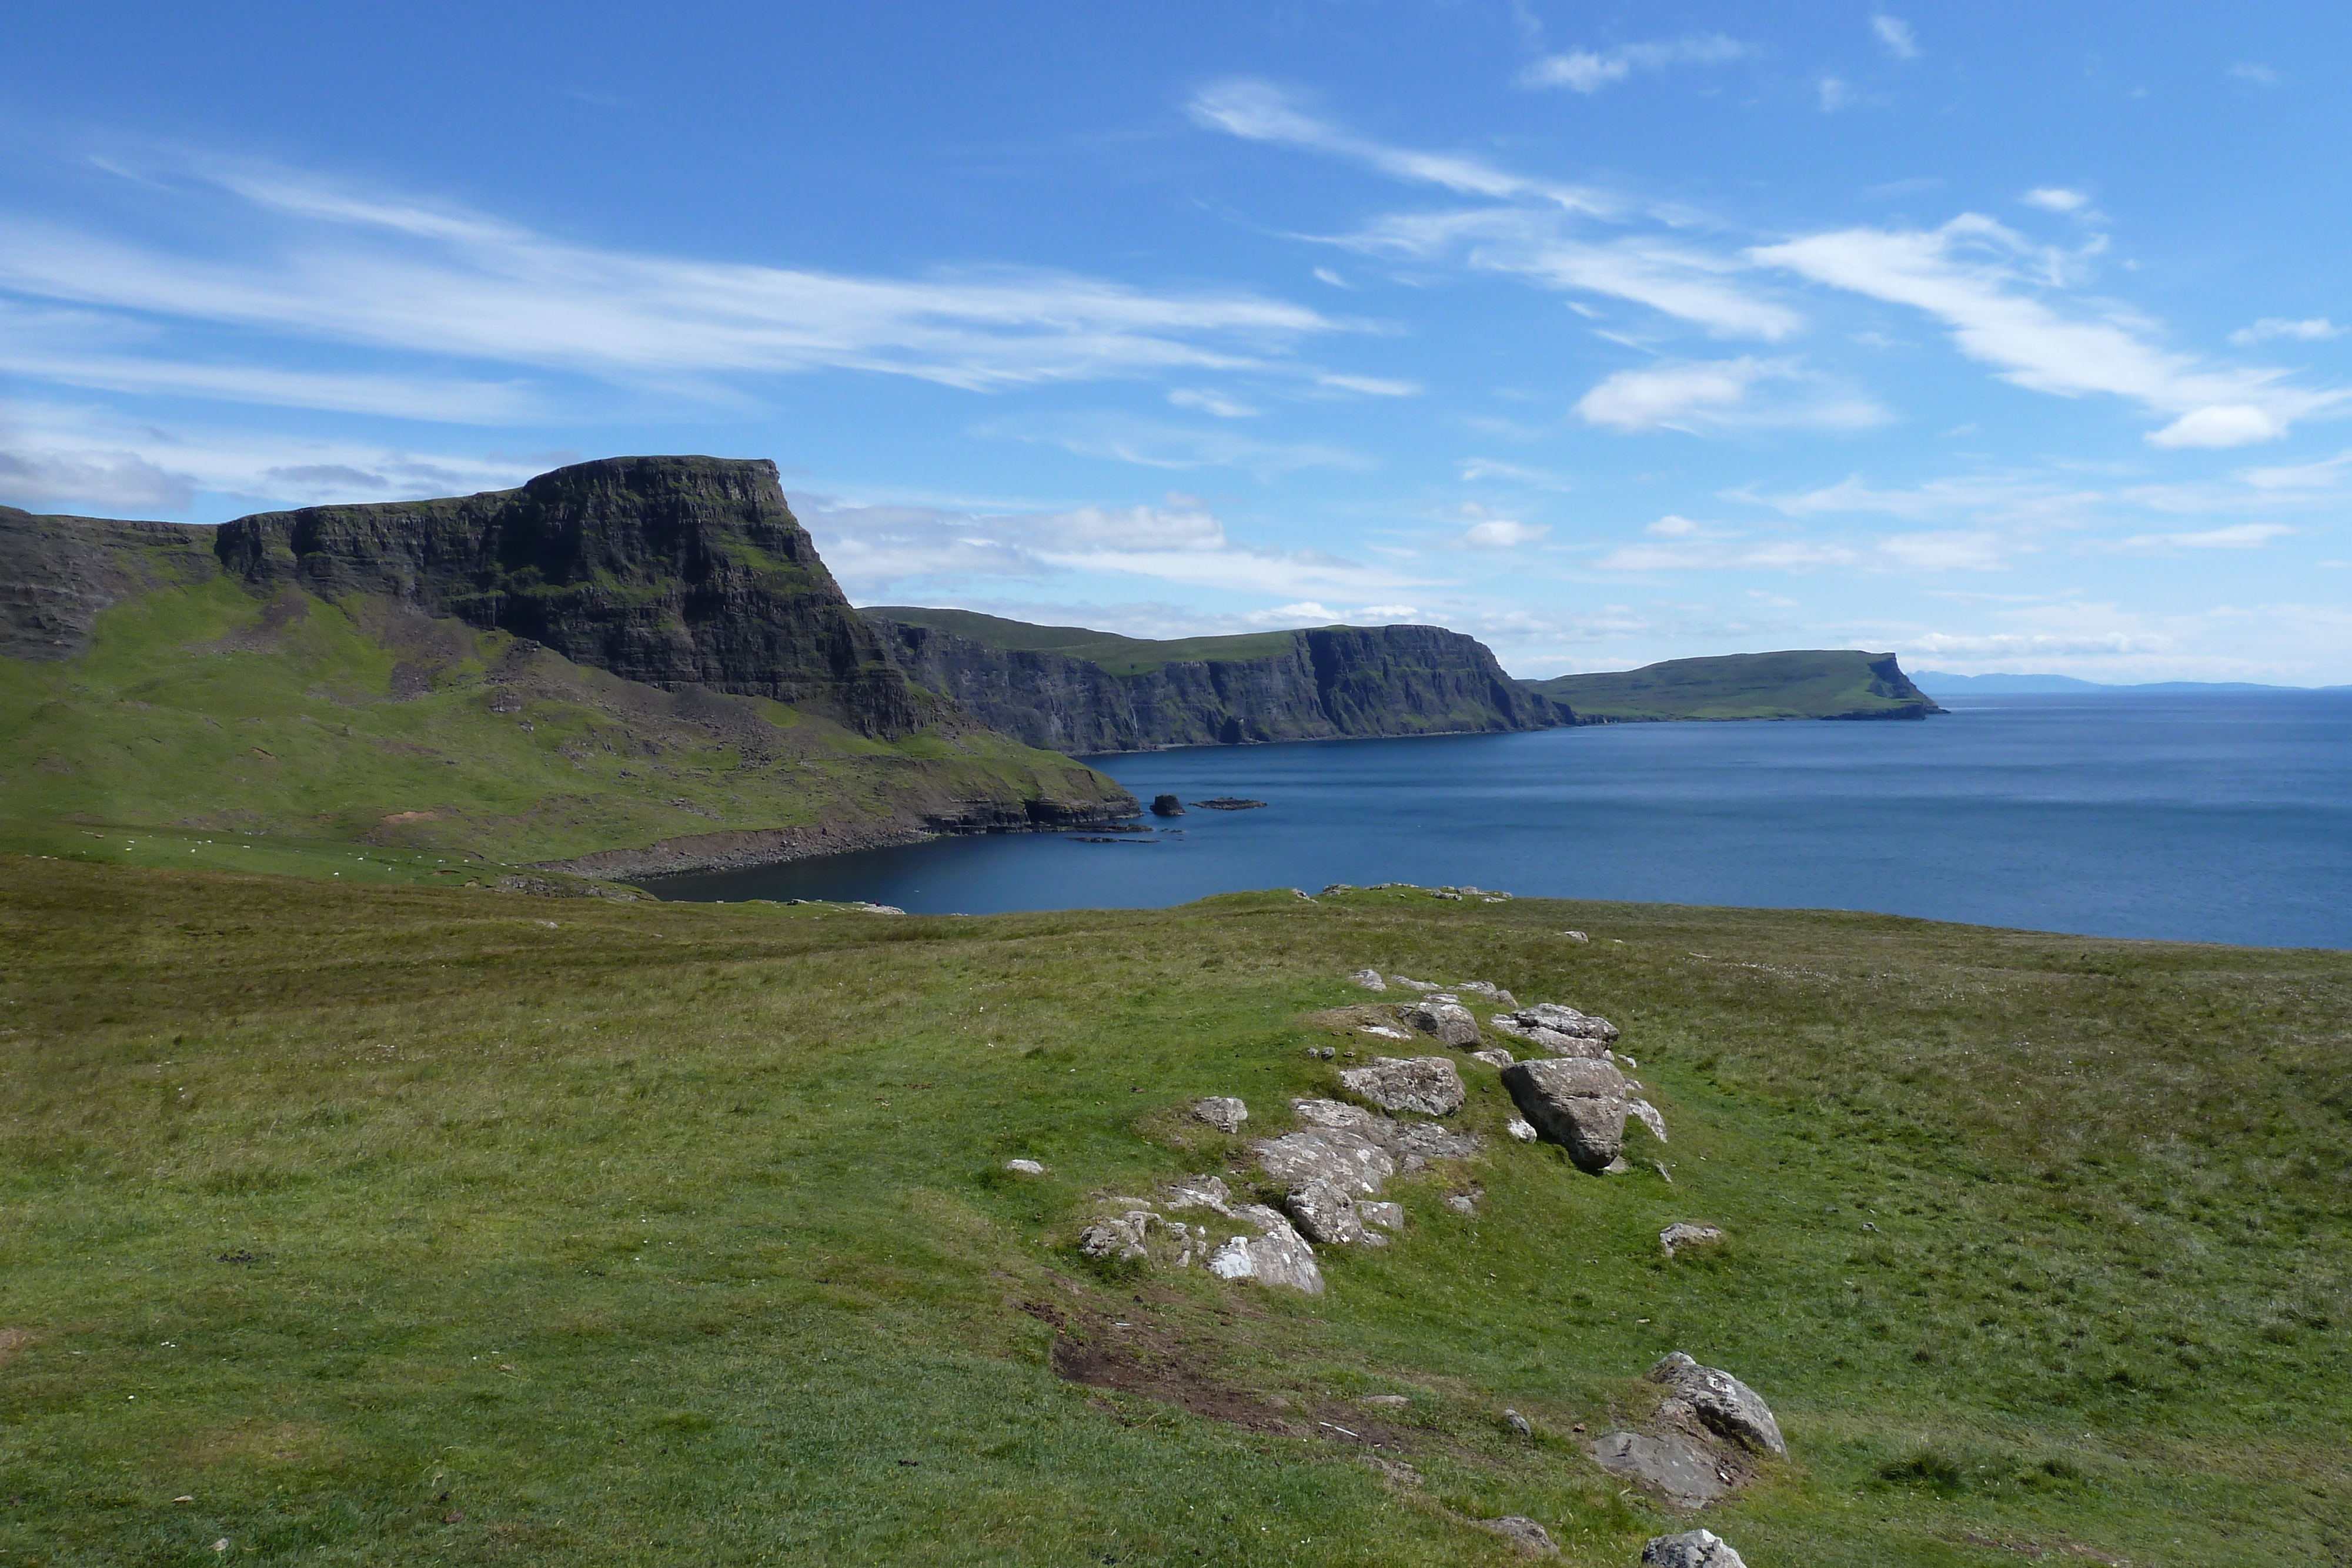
pixel 352 737
pixel 353 1224
pixel 1826 683
pixel 1120 655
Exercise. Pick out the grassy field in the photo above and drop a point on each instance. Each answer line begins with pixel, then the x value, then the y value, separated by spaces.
pixel 423 1224
pixel 299 734
pixel 1825 684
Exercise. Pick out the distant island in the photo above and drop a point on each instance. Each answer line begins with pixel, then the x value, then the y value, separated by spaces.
pixel 1943 683
pixel 1839 684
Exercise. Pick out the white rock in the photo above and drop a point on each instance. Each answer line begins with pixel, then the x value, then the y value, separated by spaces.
pixel 1415 985
pixel 1429 1084
pixel 1494 1057
pixel 1201 1192
pixel 1520 1129
pixel 1685 1233
pixel 1368 978
pixel 1691 1549
pixel 1386 1215
pixel 1222 1111
pixel 1024 1167
pixel 1277 1255
pixel 1647 1115
pixel 1576 936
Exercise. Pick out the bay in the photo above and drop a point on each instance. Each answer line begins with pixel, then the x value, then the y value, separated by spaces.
pixel 2219 818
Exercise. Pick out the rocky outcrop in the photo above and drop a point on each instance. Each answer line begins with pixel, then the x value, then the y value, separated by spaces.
pixel 1685 1233
pixel 1429 1085
pixel 1580 1104
pixel 1721 1401
pixel 674 571
pixel 1277 1255
pixel 1691 1549
pixel 1678 1468
pixel 1446 1018
pixel 1223 1112
pixel 59 574
pixel 1319 684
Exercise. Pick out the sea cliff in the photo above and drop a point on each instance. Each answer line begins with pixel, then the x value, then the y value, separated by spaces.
pixel 1096 693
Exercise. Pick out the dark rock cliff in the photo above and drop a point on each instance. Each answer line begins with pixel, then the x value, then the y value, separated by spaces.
pixel 57 574
pixel 675 571
pixel 1330 683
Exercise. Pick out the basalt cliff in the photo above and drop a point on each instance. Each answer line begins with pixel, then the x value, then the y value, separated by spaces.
pixel 1083 692
pixel 620 668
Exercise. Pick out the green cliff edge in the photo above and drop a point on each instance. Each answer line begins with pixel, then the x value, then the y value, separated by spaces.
pixel 1826 683
pixel 620 669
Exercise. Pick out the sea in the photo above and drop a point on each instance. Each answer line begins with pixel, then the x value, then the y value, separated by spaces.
pixel 2196 817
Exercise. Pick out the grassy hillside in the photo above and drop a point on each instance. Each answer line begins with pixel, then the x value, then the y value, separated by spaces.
pixel 295 731
pixel 356 1224
pixel 1829 684
pixel 1120 655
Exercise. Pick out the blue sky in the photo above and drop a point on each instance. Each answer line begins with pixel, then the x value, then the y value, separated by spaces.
pixel 2006 337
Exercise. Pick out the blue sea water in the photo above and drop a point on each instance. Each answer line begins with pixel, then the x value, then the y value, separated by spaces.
pixel 2219 818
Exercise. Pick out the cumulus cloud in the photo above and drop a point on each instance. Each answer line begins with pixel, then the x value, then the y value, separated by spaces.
pixel 1894 36
pixel 1970 275
pixel 1502 533
pixel 1589 71
pixel 2312 329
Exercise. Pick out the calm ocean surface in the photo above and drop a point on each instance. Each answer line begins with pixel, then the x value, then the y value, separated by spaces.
pixel 2221 818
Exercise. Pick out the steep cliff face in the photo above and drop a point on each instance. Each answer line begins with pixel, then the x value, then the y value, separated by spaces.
pixel 674 571
pixel 1320 685
pixel 59 574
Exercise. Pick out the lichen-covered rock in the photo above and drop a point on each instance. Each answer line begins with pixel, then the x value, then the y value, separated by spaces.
pixel 1522 1533
pixel 1416 1143
pixel 1679 1469
pixel 1567 1021
pixel 1348 1160
pixel 1488 989
pixel 1647 1115
pixel 1222 1111
pixel 1449 1021
pixel 1683 1233
pixel 1519 1128
pixel 1691 1549
pixel 1428 1085
pixel 1576 1103
pixel 1386 1215
pixel 1199 1192
pixel 1277 1255
pixel 1324 1212
pixel 1721 1401
pixel 1408 983
pixel 1121 1235
pixel 1550 1039
pixel 1368 978
pixel 1494 1057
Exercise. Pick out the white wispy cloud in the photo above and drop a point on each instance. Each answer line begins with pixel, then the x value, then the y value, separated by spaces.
pixel 1589 71
pixel 1970 275
pixel 1695 397
pixel 882 551
pixel 2055 199
pixel 1487 531
pixel 2259 75
pixel 1894 36
pixel 2311 329
pixel 2237 536
pixel 317 262
pixel 1211 403
pixel 1655 270
pixel 1260 112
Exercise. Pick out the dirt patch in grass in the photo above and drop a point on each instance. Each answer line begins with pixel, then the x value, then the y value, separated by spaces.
pixel 1160 1360
pixel 11 1340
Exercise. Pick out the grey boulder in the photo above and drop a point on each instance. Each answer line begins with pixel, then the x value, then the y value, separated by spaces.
pixel 1428 1085
pixel 1721 1401
pixel 1691 1549
pixel 1222 1111
pixel 1522 1533
pixel 1567 1021
pixel 1675 1467
pixel 1576 1103
pixel 1347 1160
pixel 1277 1255
pixel 1368 978
pixel 1683 1233
pixel 1324 1212
pixel 1449 1021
